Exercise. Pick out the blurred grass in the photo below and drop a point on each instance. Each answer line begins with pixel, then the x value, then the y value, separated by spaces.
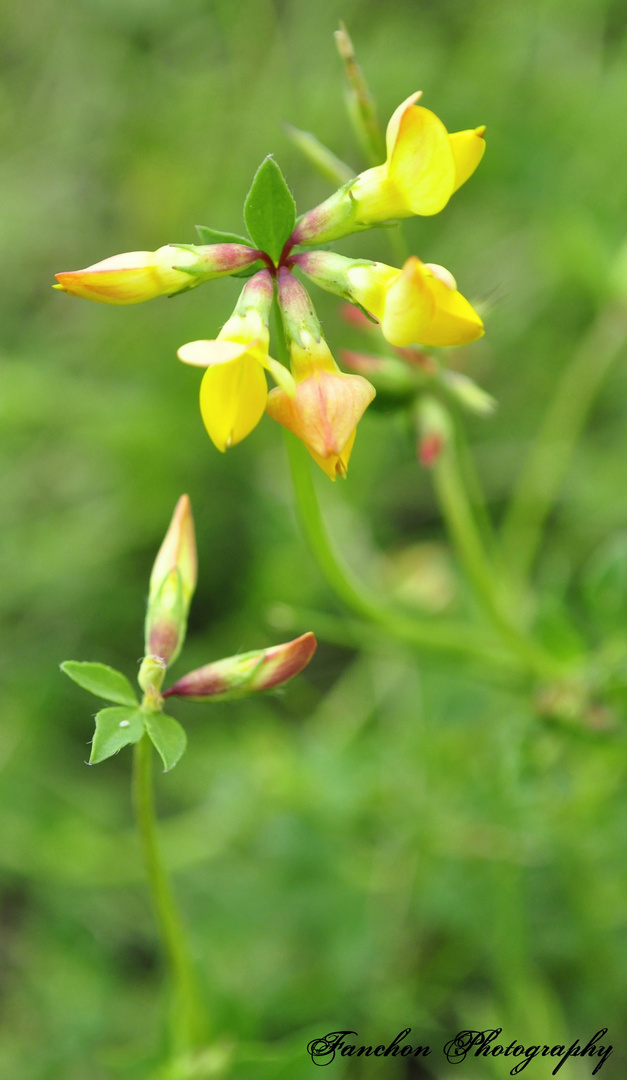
pixel 393 841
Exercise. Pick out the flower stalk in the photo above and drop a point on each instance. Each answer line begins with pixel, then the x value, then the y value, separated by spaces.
pixel 458 516
pixel 548 459
pixel 188 1017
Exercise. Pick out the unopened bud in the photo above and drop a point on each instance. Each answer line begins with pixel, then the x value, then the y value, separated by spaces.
pixel 172 585
pixel 434 429
pixel 238 676
pixel 142 275
pixel 471 396
pixel 361 106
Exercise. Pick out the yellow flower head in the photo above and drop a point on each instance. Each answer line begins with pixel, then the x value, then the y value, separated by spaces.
pixel 136 276
pixel 418 305
pixel 327 406
pixel 233 391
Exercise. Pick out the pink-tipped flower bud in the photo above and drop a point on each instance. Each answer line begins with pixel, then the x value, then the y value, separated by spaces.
pixel 434 429
pixel 238 676
pixel 470 396
pixel 172 585
pixel 142 275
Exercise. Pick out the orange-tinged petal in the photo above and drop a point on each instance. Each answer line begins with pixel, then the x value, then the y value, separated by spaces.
pixel 337 464
pixel 468 148
pixel 232 400
pixel 422 167
pixel 324 411
pixel 122 279
pixel 408 306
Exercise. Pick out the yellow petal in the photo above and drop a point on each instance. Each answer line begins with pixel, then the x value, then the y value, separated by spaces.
pixel 247 328
pixel 454 320
pixel 408 306
pixel 443 274
pixel 232 400
pixel 468 148
pixel 422 166
pixel 280 374
pixel 391 133
pixel 207 353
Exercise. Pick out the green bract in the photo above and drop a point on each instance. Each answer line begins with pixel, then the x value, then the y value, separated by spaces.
pixel 270 210
pixel 208 235
pixel 102 681
pixel 115 728
pixel 167 737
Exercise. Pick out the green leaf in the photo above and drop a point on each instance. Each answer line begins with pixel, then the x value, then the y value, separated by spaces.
pixel 101 680
pixel 214 236
pixel 115 728
pixel 270 210
pixel 167 737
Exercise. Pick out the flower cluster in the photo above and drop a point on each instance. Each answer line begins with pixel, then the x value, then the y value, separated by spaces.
pixel 418 304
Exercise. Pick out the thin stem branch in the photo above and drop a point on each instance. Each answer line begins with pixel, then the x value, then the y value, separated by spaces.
pixel 548 459
pixel 188 1019
pixel 424 634
pixel 455 506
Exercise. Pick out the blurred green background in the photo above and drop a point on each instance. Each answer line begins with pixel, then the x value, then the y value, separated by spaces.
pixel 397 840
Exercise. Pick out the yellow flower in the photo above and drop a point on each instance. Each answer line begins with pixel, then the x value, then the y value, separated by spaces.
pixel 142 275
pixel 424 167
pixel 418 305
pixel 233 391
pixel 327 406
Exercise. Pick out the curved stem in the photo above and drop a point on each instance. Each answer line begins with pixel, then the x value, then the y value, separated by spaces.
pixel 460 522
pixel 549 457
pixel 424 634
pixel 188 1013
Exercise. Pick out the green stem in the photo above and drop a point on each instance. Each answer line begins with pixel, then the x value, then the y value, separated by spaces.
pixel 549 457
pixel 188 1013
pixel 460 522
pixel 475 491
pixel 424 634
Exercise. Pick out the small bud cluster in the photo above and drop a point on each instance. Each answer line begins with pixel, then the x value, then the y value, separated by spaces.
pixel 172 584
